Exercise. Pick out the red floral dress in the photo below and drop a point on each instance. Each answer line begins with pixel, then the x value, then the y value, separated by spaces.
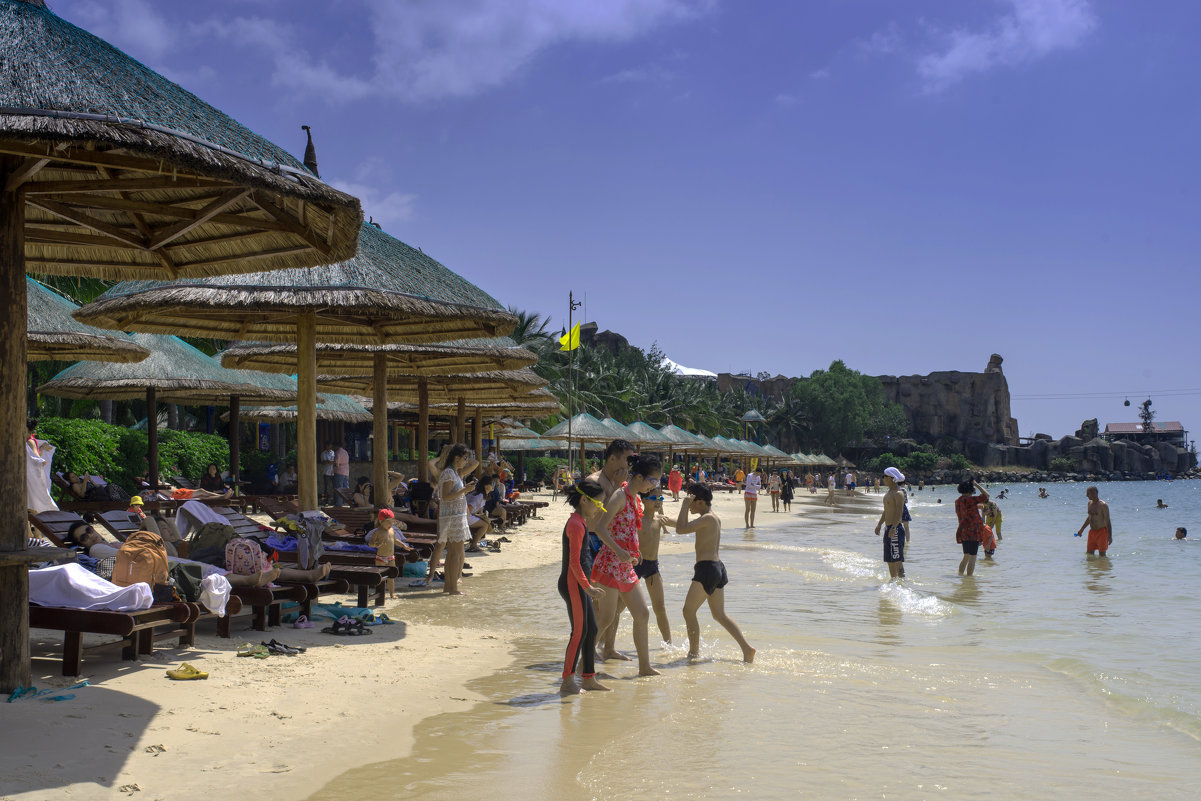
pixel 606 569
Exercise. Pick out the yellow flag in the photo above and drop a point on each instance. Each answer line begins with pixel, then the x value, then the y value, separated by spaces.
pixel 754 462
pixel 570 340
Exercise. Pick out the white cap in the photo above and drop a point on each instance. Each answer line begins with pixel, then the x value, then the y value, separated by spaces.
pixel 895 474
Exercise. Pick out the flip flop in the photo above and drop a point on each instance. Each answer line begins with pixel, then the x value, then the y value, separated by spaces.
pixel 383 618
pixel 419 583
pixel 246 649
pixel 302 622
pixel 300 649
pixel 282 650
pixel 186 672
pixel 22 692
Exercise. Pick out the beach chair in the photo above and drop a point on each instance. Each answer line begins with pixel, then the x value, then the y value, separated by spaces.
pixel 73 501
pixel 138 630
pixel 345 495
pixel 276 506
pixel 119 523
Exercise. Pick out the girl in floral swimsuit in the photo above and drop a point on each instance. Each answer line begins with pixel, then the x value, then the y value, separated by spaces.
pixel 613 567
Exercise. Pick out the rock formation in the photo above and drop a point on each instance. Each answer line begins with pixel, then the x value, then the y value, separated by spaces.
pixel 967 407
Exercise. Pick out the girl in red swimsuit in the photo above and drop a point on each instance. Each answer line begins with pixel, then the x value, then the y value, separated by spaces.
pixel 614 564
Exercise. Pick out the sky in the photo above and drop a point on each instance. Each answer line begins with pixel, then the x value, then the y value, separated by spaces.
pixel 760 185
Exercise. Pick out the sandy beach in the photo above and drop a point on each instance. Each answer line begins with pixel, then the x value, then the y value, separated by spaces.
pixel 283 726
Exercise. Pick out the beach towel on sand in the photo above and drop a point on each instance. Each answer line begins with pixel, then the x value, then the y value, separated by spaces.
pixel 77 587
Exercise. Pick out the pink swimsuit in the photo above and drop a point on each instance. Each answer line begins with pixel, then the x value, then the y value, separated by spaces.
pixel 626 524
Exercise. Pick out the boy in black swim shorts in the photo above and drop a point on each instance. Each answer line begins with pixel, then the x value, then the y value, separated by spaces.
pixel 893 519
pixel 709 577
pixel 649 535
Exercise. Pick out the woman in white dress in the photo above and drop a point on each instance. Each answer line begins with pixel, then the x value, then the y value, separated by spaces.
pixel 38 457
pixel 455 462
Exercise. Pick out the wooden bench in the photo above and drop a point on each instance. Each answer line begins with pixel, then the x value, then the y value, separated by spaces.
pixel 138 629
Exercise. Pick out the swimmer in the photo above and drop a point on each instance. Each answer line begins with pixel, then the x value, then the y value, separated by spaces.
pixel 892 518
pixel 1181 532
pixel 1100 527
pixel 1159 504
pixel 648 569
pixel 577 590
pixel 709 577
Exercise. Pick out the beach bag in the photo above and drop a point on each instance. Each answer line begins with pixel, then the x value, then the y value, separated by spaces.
pixel 187 580
pixel 142 557
pixel 211 535
pixel 309 547
pixel 244 557
pixel 415 569
pixel 108 492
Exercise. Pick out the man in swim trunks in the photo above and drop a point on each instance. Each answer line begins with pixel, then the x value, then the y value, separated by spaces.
pixel 1100 527
pixel 649 535
pixel 709 577
pixel 891 518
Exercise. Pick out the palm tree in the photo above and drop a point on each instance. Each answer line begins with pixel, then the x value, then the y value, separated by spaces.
pixel 530 332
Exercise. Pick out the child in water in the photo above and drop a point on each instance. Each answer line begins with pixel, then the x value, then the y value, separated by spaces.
pixel 709 577
pixel 586 499
pixel 648 569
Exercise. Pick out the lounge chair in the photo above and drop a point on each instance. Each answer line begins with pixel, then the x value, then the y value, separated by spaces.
pixel 138 629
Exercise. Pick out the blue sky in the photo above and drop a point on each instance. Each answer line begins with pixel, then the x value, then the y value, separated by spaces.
pixel 908 186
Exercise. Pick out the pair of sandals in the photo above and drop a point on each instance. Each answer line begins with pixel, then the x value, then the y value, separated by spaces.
pixel 348 627
pixel 266 649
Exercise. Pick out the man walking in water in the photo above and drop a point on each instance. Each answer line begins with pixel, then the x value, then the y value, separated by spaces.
pixel 891 519
pixel 1100 529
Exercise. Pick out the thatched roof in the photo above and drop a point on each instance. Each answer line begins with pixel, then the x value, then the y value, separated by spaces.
pixel 336 408
pixel 727 446
pixel 755 449
pixel 178 372
pixel 462 356
pixel 497 385
pixel 684 440
pixel 389 292
pixel 648 435
pixel 53 334
pixel 584 427
pixel 778 455
pixel 127 175
pixel 532 444
pixel 620 430
pixel 536 409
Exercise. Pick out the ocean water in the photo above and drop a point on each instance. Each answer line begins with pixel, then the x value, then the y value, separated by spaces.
pixel 1047 674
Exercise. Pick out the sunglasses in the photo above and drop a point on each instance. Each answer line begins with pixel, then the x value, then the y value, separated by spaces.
pixel 653 498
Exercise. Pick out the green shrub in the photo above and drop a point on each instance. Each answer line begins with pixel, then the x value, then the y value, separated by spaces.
pixel 922 461
pixel 959 462
pixel 188 453
pixel 537 468
pixel 1063 464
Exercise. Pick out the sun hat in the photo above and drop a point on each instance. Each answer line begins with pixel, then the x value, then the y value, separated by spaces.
pixel 385 513
pixel 895 474
pixel 136 501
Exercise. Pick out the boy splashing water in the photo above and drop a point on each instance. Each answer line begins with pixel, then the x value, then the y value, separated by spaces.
pixel 709 577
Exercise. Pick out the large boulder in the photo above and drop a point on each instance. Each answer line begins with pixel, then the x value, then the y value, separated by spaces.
pixel 1097 456
pixel 1089 429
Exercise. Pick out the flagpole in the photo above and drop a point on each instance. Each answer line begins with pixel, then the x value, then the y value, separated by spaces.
pixel 572 305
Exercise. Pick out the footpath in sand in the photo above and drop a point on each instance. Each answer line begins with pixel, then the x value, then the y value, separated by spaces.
pixel 282 726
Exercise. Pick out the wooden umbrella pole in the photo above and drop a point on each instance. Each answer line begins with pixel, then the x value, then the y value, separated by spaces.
pixel 379 420
pixel 423 429
pixel 477 433
pixel 235 440
pixel 14 574
pixel 306 410
pixel 460 434
pixel 152 469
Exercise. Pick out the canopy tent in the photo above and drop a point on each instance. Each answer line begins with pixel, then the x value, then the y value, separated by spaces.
pixel 53 334
pixel 109 170
pixel 388 293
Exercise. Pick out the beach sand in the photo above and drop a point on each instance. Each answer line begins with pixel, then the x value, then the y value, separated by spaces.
pixel 283 726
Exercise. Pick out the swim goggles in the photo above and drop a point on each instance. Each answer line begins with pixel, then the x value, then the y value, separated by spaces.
pixel 652 498
pixel 599 505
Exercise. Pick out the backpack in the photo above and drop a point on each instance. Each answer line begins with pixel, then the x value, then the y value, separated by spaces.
pixel 309 547
pixel 244 557
pixel 187 580
pixel 142 557
pixel 211 535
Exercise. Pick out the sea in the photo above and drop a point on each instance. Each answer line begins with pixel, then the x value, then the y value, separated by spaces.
pixel 1048 674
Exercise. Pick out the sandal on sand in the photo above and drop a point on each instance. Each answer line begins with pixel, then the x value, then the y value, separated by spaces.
pixel 302 622
pixel 503 539
pixel 300 649
pixel 359 628
pixel 278 648
pixel 186 672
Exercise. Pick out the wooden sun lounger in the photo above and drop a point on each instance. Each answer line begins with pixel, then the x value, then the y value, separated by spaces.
pixel 138 629
pixel 275 505
pixel 119 523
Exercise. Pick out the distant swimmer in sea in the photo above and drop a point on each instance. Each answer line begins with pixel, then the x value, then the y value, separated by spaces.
pixel 709 577
pixel 1181 532
pixel 1100 528
pixel 1159 504
pixel 892 518
pixel 1042 492
pixel 1002 494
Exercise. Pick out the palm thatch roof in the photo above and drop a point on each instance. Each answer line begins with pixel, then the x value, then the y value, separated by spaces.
pixel 509 427
pixel 648 435
pixel 754 449
pixel 684 440
pixel 461 356
pixel 53 334
pixel 752 416
pixel 728 446
pixel 534 409
pixel 778 455
pixel 178 372
pixel 583 427
pixel 497 385
pixel 388 293
pixel 335 408
pixel 127 175
pixel 532 444
pixel 620 430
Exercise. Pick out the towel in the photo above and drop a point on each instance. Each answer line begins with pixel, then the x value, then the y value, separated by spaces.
pixel 195 514
pixel 77 587
pixel 214 593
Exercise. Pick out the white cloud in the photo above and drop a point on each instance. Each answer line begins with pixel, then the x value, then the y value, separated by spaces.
pixel 882 43
pixel 451 48
pixel 1031 30
pixel 384 207
pixel 134 26
pixel 651 74
pixel 820 75
pixel 785 99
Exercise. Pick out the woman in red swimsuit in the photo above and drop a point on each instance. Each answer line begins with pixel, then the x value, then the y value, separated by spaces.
pixel 613 567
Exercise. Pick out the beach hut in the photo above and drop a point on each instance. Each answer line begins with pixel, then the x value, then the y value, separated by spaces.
pixel 174 372
pixel 383 295
pixel 53 334
pixel 109 170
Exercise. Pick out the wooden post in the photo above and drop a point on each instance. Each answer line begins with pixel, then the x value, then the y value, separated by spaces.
pixel 235 439
pixel 477 432
pixel 379 428
pixel 14 575
pixel 152 437
pixel 460 434
pixel 423 429
pixel 306 411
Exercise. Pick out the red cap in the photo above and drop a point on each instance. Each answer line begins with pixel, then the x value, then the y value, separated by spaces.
pixel 384 513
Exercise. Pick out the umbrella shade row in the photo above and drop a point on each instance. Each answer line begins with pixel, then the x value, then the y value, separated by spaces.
pixel 53 334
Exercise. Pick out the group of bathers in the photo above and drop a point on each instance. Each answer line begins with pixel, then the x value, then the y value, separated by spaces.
pixel 710 575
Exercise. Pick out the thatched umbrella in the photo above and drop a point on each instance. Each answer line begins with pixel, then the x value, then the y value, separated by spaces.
pixel 381 361
pixel 336 408
pixel 388 293
pixel 109 170
pixel 649 435
pixel 585 428
pixel 54 335
pixel 175 372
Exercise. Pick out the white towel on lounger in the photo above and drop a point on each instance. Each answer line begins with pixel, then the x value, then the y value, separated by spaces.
pixel 195 514
pixel 214 593
pixel 75 586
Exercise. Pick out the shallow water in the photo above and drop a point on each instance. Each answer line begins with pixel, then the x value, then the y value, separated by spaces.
pixel 1048 673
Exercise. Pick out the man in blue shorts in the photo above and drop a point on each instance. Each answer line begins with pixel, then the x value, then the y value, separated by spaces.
pixel 893 523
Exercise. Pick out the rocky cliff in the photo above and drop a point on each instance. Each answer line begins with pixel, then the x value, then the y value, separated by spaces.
pixel 967 407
